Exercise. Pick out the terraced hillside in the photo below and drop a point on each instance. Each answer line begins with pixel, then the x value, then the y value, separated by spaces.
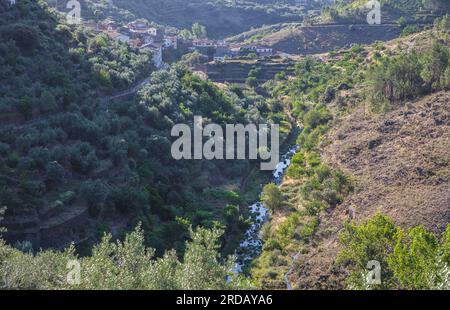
pixel 221 18
pixel 237 71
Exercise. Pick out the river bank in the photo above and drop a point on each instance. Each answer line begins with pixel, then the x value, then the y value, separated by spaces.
pixel 251 245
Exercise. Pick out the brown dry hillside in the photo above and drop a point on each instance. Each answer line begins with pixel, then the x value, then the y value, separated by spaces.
pixel 400 163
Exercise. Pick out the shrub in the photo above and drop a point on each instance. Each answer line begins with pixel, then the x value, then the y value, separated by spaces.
pixel 128 200
pixel 251 81
pixel 94 192
pixel 272 197
pixel 411 259
pixel 55 173
pixel 434 65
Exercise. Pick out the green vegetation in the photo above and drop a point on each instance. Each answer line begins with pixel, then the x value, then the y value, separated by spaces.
pixel 409 259
pixel 313 186
pixel 70 154
pixel 272 197
pixel 409 75
pixel 62 134
pixel 47 66
pixel 199 31
pixel 122 265
pixel 220 17
pixel 410 29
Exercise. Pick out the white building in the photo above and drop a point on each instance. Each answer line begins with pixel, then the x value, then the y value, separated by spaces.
pixel 157 50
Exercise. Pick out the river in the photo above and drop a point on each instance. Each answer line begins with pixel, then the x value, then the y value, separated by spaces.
pixel 251 246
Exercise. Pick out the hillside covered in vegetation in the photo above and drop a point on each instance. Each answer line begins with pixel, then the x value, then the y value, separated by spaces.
pixel 87 177
pixel 75 163
pixel 220 17
pixel 374 142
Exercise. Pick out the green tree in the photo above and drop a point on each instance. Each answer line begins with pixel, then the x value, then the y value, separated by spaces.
pixel 2 213
pixel 25 107
pixel 47 102
pixel 402 22
pixel 409 259
pixel 122 265
pixel 396 79
pixel 199 31
pixel 413 258
pixel 443 23
pixel 251 81
pixel 272 197
pixel 55 173
pixel 367 242
pixel 434 65
pixel 94 192
pixel 186 34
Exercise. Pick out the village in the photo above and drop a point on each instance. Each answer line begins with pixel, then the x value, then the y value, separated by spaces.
pixel 141 34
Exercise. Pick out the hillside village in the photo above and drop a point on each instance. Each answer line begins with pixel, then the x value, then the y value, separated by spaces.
pixel 141 34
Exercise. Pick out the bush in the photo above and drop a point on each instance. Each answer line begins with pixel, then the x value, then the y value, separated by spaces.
pixel 128 200
pixel 396 79
pixel 435 63
pixel 55 173
pixel 411 259
pixel 94 192
pixel 272 197
pixel 316 117
pixel 410 29
pixel 126 264
pixel 251 81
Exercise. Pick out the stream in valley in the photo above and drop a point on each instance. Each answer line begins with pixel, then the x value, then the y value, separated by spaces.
pixel 251 246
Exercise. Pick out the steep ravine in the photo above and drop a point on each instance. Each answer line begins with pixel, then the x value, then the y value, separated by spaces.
pixel 251 246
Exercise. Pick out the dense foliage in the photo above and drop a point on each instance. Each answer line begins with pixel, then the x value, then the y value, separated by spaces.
pixel 409 259
pixel 409 75
pixel 47 66
pixel 69 151
pixel 122 265
pixel 79 151
pixel 220 17
pixel 313 187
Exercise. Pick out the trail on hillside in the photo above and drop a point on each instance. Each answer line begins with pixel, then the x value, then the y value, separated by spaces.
pixel 106 100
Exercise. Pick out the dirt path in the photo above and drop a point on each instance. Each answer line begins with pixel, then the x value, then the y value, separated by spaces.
pixel 104 101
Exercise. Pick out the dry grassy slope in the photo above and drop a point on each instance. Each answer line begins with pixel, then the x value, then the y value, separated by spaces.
pixel 400 163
